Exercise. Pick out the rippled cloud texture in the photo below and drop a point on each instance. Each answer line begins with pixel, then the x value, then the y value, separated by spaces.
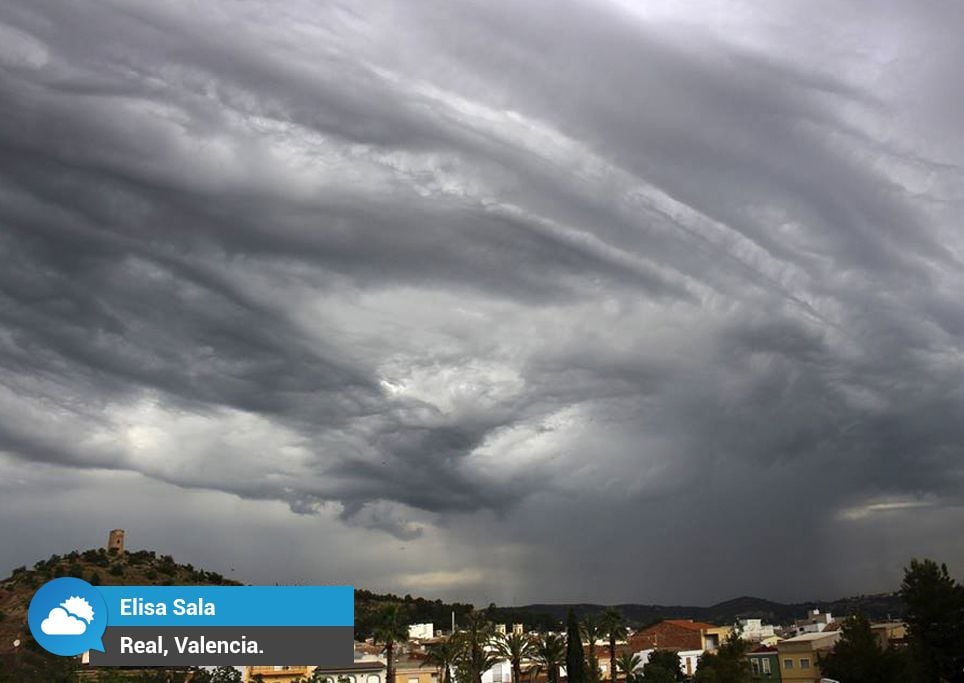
pixel 507 301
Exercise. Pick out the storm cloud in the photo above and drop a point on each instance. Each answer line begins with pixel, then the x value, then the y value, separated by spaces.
pixel 492 301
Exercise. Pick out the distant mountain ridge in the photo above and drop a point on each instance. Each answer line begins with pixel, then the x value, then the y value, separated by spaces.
pixel 875 607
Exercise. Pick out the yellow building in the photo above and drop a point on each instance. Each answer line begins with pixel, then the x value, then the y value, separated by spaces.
pixel 890 633
pixel 369 670
pixel 414 670
pixel 715 636
pixel 798 656
pixel 276 674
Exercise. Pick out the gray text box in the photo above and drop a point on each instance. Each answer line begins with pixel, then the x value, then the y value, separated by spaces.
pixel 274 645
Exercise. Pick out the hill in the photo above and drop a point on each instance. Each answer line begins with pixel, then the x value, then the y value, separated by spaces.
pixel 97 567
pixel 876 607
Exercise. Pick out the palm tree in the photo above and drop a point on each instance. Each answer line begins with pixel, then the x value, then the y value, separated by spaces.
pixel 390 631
pixel 591 632
pixel 614 629
pixel 443 656
pixel 515 647
pixel 627 663
pixel 549 653
pixel 474 644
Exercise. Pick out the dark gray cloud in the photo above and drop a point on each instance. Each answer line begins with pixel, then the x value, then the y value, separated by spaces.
pixel 482 299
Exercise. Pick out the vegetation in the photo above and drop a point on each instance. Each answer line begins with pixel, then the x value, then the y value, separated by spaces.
pixel 591 632
pixel 858 657
pixel 513 647
pixel 663 667
pixel 475 656
pixel 444 657
pixel 222 674
pixel 727 665
pixel 614 628
pixel 550 651
pixel 935 620
pixel 369 607
pixel 575 655
pixel 934 614
pixel 627 663
pixel 390 631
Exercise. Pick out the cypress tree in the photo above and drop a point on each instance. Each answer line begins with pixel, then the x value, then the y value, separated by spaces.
pixel 575 657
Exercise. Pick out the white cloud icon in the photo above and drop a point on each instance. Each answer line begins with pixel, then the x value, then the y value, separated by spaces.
pixel 59 623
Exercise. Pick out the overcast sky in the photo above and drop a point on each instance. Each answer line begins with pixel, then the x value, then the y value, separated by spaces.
pixel 546 300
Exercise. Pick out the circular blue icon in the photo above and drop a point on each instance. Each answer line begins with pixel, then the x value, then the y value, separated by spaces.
pixel 68 617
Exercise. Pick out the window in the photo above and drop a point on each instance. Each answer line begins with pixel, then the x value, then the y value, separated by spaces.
pixel 788 664
pixel 413 680
pixel 766 666
pixel 372 678
pixel 804 663
pixel 755 666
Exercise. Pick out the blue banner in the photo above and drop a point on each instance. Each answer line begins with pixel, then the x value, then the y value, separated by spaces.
pixel 229 605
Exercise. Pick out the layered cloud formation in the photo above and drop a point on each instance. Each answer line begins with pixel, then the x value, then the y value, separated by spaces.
pixel 534 292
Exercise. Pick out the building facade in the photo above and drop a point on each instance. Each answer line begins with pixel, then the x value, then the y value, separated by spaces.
pixel 764 664
pixel 799 656
pixel 679 634
pixel 816 622
pixel 754 630
pixel 372 671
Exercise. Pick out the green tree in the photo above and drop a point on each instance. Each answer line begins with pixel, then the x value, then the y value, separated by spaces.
pixel 935 619
pixel 549 653
pixel 663 666
pixel 514 647
pixel 858 658
pixel 627 662
pixel 727 665
pixel 575 656
pixel 226 674
pixel 474 642
pixel 614 628
pixel 390 631
pixel 591 632
pixel 443 656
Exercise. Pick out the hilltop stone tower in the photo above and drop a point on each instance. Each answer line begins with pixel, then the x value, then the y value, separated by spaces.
pixel 115 541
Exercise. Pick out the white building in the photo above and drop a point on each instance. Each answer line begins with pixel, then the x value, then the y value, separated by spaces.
pixel 754 630
pixel 501 672
pixel 421 631
pixel 816 622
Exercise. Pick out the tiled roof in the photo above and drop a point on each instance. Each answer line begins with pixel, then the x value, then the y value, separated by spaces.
pixel 762 649
pixel 690 624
